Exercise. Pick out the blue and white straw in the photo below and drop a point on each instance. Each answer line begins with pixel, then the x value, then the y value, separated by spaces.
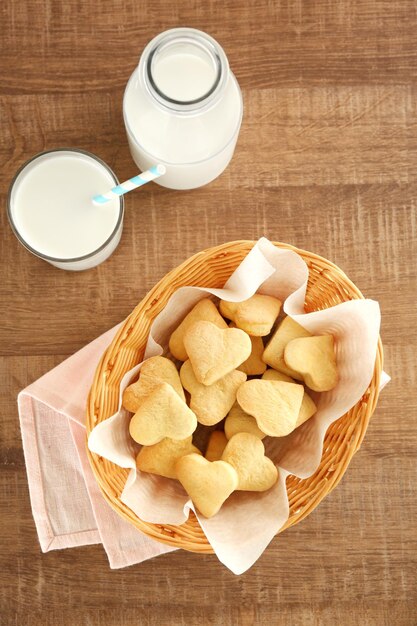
pixel 133 183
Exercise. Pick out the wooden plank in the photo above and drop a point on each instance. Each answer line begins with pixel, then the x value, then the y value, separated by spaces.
pixel 305 614
pixel 275 42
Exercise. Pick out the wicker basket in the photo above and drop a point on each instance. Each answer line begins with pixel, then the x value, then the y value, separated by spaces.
pixel 327 286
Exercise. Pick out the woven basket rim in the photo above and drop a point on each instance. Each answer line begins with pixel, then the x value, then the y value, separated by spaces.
pixel 189 535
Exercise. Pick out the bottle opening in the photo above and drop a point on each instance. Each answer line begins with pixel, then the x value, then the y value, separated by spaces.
pixel 184 71
pixel 185 68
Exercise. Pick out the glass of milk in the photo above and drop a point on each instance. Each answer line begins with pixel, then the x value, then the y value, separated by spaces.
pixel 183 107
pixel 51 212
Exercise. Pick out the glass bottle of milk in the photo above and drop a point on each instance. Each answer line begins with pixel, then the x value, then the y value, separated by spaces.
pixel 183 107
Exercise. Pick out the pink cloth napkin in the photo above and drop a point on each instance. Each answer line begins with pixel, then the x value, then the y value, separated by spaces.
pixel 67 505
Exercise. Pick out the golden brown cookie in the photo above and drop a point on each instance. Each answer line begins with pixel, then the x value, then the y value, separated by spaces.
pixel 211 404
pixel 256 315
pixel 240 422
pixel 216 445
pixel 215 352
pixel 274 352
pixel 274 404
pixel 154 371
pixel 246 453
pixel 162 414
pixel 271 374
pixel 208 484
pixel 160 458
pixel 308 408
pixel 203 310
pixel 315 359
pixel 254 364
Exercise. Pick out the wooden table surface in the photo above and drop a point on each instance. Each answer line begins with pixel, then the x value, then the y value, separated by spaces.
pixel 326 160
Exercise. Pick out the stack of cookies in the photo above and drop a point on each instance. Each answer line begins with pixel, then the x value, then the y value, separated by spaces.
pixel 217 376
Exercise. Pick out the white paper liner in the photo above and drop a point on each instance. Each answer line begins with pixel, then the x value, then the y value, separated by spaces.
pixel 247 522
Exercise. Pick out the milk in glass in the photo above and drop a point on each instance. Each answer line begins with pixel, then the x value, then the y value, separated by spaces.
pixel 52 213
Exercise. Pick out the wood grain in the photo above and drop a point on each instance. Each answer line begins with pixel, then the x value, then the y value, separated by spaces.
pixel 326 160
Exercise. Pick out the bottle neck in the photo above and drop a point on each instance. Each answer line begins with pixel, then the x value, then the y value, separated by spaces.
pixel 184 70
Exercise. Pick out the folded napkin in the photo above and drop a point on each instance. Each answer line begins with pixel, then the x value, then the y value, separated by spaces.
pixel 68 507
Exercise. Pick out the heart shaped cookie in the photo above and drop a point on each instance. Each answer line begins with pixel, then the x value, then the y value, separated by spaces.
pixel 162 414
pixel 215 352
pixel 274 404
pixel 211 404
pixel 216 445
pixel 315 359
pixel 271 374
pixel 203 310
pixel 253 365
pixel 256 315
pixel 208 484
pixel 240 422
pixel 274 352
pixel 246 453
pixel 160 458
pixel 154 371
pixel 308 408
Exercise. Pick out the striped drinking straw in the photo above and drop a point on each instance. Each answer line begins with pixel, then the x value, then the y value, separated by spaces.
pixel 133 183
